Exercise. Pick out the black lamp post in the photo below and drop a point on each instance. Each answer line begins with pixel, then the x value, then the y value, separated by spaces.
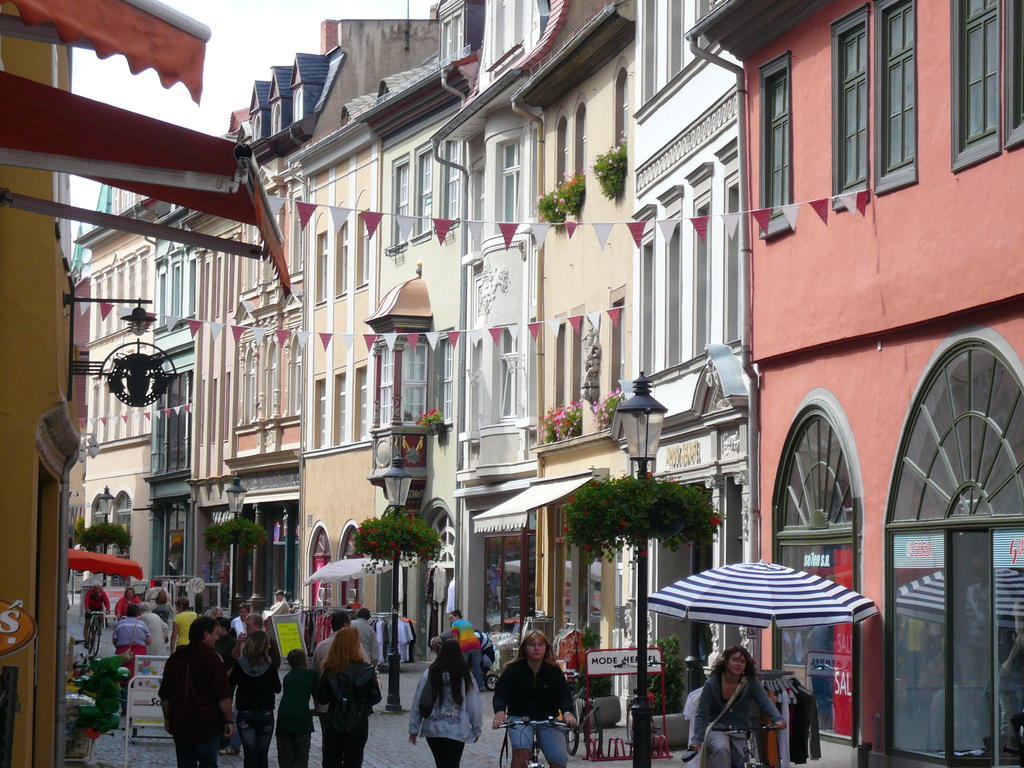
pixel 105 505
pixel 236 502
pixel 396 490
pixel 641 418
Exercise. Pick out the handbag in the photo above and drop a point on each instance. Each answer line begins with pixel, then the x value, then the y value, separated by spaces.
pixel 725 710
pixel 425 704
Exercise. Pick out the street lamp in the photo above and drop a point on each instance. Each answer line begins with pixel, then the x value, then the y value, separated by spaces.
pixel 396 490
pixel 105 505
pixel 236 501
pixel 641 418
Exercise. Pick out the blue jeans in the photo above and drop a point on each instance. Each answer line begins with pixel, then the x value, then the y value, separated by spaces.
pixel 201 755
pixel 257 731
pixel 474 659
pixel 551 739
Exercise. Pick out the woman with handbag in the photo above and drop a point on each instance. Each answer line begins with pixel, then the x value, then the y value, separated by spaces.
pixel 446 708
pixel 255 680
pixel 726 700
pixel 349 688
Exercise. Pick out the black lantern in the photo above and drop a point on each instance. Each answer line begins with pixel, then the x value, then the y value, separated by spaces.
pixel 396 490
pixel 642 418
pixel 397 482
pixel 105 504
pixel 236 496
pixel 139 320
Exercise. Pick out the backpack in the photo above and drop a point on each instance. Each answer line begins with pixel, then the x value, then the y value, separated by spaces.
pixel 350 701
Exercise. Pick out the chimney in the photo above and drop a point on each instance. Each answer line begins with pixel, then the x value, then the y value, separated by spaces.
pixel 328 35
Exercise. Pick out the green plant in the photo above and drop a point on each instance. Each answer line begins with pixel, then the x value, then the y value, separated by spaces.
pixel 548 210
pixel 431 418
pixel 562 422
pixel 610 170
pixel 604 408
pixel 100 535
pixel 566 199
pixel 599 686
pixel 605 516
pixel 396 534
pixel 673 674
pixel 238 530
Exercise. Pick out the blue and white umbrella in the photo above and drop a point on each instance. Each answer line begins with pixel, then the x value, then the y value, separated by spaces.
pixel 925 597
pixel 755 594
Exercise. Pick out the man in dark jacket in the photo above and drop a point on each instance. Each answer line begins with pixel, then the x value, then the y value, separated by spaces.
pixel 195 697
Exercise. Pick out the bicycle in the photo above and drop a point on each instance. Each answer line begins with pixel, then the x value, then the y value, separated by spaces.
pixel 588 720
pixel 93 633
pixel 505 756
pixel 751 758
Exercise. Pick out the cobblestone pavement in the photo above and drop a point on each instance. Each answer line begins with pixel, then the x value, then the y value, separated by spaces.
pixel 388 745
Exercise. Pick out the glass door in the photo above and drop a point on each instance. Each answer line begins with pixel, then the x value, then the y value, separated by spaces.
pixel 1008 602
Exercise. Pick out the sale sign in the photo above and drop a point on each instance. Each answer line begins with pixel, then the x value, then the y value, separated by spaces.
pixel 17 627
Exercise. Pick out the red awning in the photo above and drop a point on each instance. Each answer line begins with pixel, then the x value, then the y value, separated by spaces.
pixel 148 33
pixel 51 129
pixel 80 560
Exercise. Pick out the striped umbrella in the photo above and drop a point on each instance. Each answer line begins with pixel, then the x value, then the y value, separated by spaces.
pixel 754 594
pixel 925 597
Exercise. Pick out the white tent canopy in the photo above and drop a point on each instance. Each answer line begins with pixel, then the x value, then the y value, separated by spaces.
pixel 346 570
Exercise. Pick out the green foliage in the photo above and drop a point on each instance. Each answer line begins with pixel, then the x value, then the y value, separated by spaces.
pixel 599 686
pixel 238 530
pixel 673 672
pixel 99 535
pixel 610 170
pixel 566 199
pixel 605 516
pixel 396 534
pixel 604 408
pixel 562 422
pixel 431 418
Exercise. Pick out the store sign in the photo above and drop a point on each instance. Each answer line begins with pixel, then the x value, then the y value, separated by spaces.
pixel 818 560
pixel 683 455
pixel 17 627
pixel 620 661
pixel 1008 548
pixel 919 550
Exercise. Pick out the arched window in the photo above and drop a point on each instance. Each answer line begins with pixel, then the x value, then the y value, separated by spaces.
pixel 295 378
pixel 561 149
pixel 348 591
pixel 580 145
pixel 815 509
pixel 271 383
pixel 249 391
pixel 320 555
pixel 621 106
pixel 446 532
pixel 123 510
pixel 956 533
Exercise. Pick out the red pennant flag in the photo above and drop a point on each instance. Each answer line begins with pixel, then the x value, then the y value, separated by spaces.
pixel 615 315
pixel 762 216
pixel 187 407
pixel 124 417
pixel 821 208
pixel 637 229
pixel 282 336
pixel 369 339
pixel 194 326
pixel 413 339
pixel 496 334
pixel 325 339
pixel 576 321
pixel 570 228
pixel 862 201
pixel 535 329
pixel 441 227
pixel 237 331
pixel 103 420
pixel 81 423
pixel 700 225
pixel 149 416
pixel 508 231
pixel 453 337
pixel 371 219
pixel 105 308
pixel 305 212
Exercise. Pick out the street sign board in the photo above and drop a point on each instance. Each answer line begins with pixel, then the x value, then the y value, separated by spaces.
pixel 620 661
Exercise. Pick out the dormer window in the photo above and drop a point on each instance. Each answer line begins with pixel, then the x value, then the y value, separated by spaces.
pixel 257 126
pixel 275 117
pixel 297 113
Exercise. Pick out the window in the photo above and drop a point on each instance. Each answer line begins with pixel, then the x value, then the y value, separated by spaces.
pixel 161 297
pixel 387 368
pixel 249 393
pixel 275 117
pixel 618 333
pixel 896 111
pixel 424 193
pixel 509 182
pixel 575 364
pixel 850 101
pixel 1014 72
pixel 701 285
pixel 363 407
pixel 341 261
pixel 675 38
pixel 561 149
pixel 297 107
pixel 452 205
pixel 650 42
pixel 647 308
pixel 340 407
pixel 621 106
pixel 401 198
pixel 363 254
pixel 321 266
pixel 580 138
pixel 320 395
pixel 225 407
pixel 175 290
pixel 975 81
pixel 272 384
pixel 776 181
pixel 414 383
pixel 674 300
pixel 447 378
pixel 733 268
pixel 295 379
pixel 509 376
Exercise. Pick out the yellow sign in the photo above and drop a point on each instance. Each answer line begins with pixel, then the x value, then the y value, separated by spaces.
pixel 286 627
pixel 17 627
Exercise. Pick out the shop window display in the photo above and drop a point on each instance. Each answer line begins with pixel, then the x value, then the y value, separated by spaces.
pixel 505 601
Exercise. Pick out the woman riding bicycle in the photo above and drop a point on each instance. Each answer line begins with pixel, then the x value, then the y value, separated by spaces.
pixel 533 687
pixel 725 703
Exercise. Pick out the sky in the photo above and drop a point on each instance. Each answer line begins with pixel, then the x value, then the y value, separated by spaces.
pixel 248 37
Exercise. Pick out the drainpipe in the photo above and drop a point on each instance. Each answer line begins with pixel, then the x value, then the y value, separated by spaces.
pixel 63 519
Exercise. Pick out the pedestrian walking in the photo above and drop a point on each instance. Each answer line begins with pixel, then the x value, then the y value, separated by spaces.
pixel 462 631
pixel 128 598
pixel 182 621
pixel 446 707
pixel 349 688
pixel 225 646
pixel 238 623
pixel 294 720
pixel 158 632
pixel 367 635
pixel 131 637
pixel 254 623
pixel 162 605
pixel 255 681
pixel 195 697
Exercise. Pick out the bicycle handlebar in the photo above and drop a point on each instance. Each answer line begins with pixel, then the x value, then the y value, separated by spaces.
pixel 751 729
pixel 533 723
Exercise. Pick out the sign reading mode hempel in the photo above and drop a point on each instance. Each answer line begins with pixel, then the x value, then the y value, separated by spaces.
pixel 620 661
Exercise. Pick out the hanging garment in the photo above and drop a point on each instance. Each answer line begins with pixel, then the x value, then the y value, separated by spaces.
pixel 450 603
pixel 440 594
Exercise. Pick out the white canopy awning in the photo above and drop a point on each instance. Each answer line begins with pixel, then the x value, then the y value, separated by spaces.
pixel 511 515
pixel 346 570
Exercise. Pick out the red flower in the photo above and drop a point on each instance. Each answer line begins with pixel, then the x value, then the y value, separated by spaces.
pixel 715 521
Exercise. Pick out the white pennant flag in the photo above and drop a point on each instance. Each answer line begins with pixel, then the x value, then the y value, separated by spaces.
pixel 476 230
pixel 790 213
pixel 602 230
pixel 432 337
pixel 475 336
pixel 303 337
pixel 172 322
pixel 668 228
pixel 338 217
pixel 276 203
pixel 258 334
pixel 390 339
pixel 250 305
pixel 595 319
pixel 347 338
pixel 404 227
pixel 849 201
pixel 540 231
pixel 83 307
pixel 513 331
pixel 215 329
pixel 732 223
pixel 555 326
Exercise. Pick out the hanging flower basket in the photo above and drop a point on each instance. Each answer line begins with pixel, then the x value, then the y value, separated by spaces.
pixel 99 535
pixel 561 422
pixel 605 516
pixel 610 170
pixel 396 534
pixel 566 199
pixel 239 530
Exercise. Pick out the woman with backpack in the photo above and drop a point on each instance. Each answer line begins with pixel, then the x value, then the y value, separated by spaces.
pixel 349 688
pixel 446 707
pixel 255 680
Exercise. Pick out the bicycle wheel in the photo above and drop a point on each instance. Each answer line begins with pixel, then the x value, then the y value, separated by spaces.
pixel 572 738
pixel 93 637
pixel 593 732
pixel 491 681
pixel 505 756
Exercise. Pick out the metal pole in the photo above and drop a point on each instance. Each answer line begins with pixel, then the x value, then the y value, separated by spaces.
pixel 394 697
pixel 693 658
pixel 641 707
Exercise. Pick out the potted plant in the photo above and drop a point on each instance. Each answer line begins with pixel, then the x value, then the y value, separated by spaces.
pixel 396 534
pixel 566 199
pixel 676 726
pixel 604 408
pixel 600 687
pixel 562 422
pixel 238 530
pixel 610 170
pixel 433 420
pixel 99 535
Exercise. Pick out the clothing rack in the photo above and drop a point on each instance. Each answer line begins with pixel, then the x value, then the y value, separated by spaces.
pixel 799 709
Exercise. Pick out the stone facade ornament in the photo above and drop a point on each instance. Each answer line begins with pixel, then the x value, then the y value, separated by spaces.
pixel 730 443
pixel 492 280
pixel 590 385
